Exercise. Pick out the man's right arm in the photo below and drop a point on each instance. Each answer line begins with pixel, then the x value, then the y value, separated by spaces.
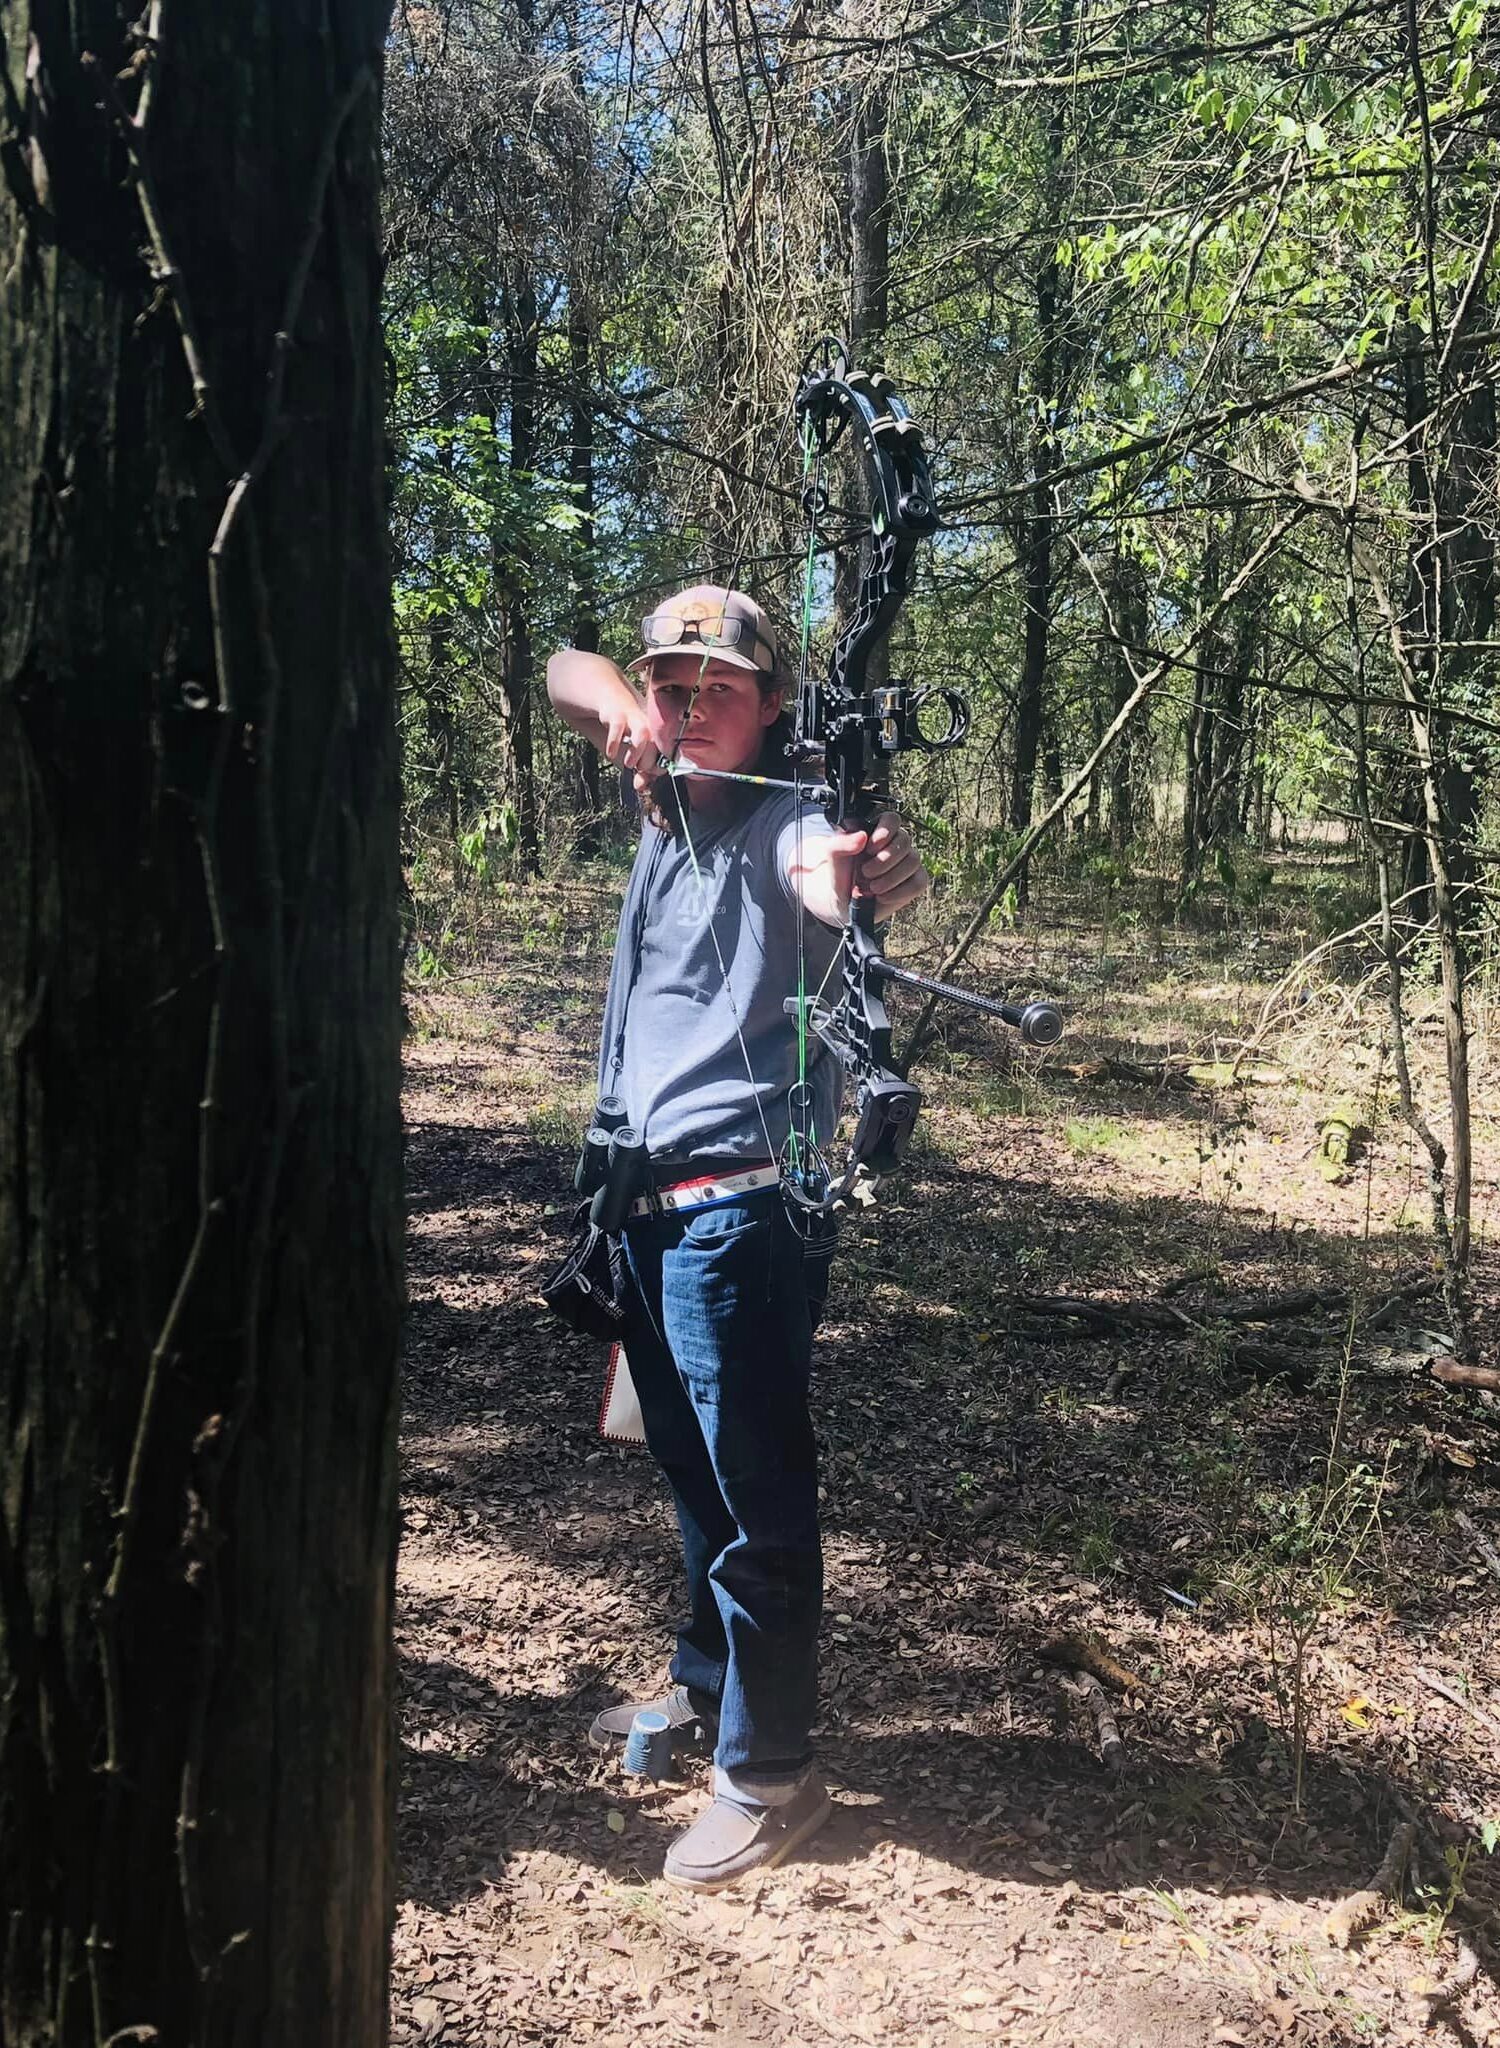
pixel 593 699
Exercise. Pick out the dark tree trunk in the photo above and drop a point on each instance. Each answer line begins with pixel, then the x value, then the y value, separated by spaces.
pixel 586 592
pixel 512 553
pixel 1129 607
pixel 1199 736
pixel 1419 623
pixel 869 308
pixel 1468 660
pixel 1052 775
pixel 200 1203
pixel 1032 683
pixel 1192 778
pixel 869 227
pixel 1092 806
pixel 1221 803
pixel 515 578
pixel 439 686
pixel 1039 531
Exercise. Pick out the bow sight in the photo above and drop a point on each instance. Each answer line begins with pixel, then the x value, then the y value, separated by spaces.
pixel 852 730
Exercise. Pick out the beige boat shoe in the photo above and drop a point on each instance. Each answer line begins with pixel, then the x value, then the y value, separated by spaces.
pixel 731 1840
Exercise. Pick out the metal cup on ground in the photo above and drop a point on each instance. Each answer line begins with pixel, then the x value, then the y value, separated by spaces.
pixel 648 1746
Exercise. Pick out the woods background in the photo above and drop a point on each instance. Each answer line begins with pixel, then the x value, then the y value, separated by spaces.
pixel 1196 312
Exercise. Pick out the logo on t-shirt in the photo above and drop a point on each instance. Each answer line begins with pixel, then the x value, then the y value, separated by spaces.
pixel 698 900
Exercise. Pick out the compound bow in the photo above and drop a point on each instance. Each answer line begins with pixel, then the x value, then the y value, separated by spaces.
pixel 853 730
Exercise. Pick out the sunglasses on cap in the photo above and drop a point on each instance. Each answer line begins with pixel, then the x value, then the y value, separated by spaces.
pixel 664 630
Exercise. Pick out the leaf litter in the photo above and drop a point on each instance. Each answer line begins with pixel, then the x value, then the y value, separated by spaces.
pixel 984 1878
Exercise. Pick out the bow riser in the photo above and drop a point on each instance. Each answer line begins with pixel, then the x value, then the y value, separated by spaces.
pixel 854 732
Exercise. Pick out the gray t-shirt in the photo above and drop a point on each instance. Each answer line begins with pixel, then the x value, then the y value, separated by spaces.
pixel 670 1044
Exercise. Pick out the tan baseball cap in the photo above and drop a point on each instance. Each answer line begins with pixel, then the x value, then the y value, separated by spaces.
pixel 709 620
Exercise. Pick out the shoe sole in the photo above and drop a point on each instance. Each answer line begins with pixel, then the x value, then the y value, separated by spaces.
pixel 682 1738
pixel 779 1854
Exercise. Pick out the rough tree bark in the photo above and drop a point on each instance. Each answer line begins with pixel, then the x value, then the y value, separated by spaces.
pixel 869 311
pixel 513 571
pixel 590 793
pixel 1039 531
pixel 1130 605
pixel 200 1243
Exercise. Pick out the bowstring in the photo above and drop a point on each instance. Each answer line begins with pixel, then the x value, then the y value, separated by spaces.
pixel 800 1153
pixel 683 808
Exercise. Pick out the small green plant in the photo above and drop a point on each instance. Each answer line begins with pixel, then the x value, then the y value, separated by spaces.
pixel 485 847
pixel 1313 1547
pixel 1212 1347
pixel 1031 1261
pixel 1095 1543
pixel 1172 1907
pixel 1442 1899
pixel 1216 1476
pixel 1005 1095
pixel 1100 1134
pixel 557 1123
pixel 427 961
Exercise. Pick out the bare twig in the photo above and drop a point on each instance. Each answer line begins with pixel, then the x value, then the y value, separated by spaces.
pixel 1456 1699
pixel 1480 1541
pixel 1212 423
pixel 1145 685
pixel 1297 970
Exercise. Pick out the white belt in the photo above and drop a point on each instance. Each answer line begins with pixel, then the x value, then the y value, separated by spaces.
pixel 711 1187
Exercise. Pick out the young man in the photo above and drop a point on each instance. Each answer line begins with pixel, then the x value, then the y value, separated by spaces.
pixel 723 1289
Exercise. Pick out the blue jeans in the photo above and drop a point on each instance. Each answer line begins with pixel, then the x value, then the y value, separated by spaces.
pixel 719 1320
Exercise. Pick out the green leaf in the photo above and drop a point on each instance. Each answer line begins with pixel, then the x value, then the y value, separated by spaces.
pixel 1240 114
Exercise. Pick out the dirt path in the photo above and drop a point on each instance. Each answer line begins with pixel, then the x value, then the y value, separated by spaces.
pixel 985 1877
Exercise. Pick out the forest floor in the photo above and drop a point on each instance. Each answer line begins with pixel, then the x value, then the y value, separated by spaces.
pixel 1290 1574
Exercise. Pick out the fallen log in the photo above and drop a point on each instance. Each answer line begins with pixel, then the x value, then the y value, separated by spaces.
pixel 1454 1374
pixel 1390 1309
pixel 1106 1727
pixel 1452 1987
pixel 1087 1653
pixel 1103 1318
pixel 1266 1363
pixel 1361 1909
pixel 1480 1541
pixel 1090 1663
pixel 1106 1316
